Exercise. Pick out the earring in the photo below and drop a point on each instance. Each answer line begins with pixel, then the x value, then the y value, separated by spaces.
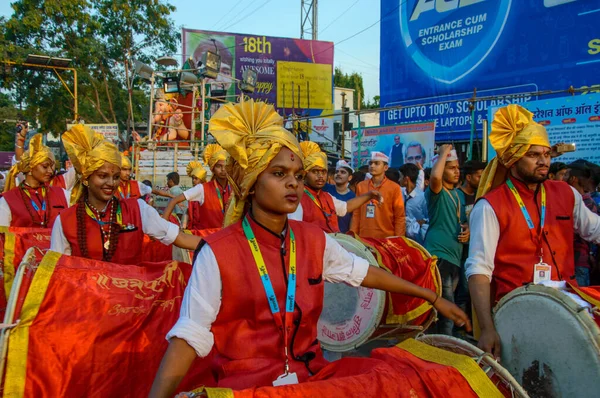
pixel 251 192
pixel 85 183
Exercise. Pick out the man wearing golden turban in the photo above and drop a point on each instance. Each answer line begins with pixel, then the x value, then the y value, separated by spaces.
pixel 33 203
pixel 99 226
pixel 129 188
pixel 262 253
pixel 320 207
pixel 211 197
pixel 522 227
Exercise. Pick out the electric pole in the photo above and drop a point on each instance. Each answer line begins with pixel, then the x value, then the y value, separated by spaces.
pixel 309 19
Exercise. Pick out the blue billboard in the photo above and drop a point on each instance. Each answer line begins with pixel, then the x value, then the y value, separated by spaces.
pixel 436 51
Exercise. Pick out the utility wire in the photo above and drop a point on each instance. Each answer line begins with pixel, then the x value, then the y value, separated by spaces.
pixel 248 15
pixel 339 16
pixel 223 26
pixel 227 13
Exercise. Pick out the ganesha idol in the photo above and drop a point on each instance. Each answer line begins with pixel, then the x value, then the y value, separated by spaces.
pixel 168 119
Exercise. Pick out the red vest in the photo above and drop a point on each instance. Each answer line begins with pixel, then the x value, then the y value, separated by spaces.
pixel 248 344
pixel 21 211
pixel 210 214
pixel 129 190
pixel 325 217
pixel 194 216
pixel 59 181
pixel 517 251
pixel 129 246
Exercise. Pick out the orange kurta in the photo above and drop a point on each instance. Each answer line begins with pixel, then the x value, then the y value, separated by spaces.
pixel 389 219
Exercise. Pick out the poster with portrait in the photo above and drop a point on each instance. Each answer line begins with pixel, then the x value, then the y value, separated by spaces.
pixel 403 143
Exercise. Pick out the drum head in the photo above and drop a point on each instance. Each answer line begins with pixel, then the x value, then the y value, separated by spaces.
pixel 350 315
pixel 549 343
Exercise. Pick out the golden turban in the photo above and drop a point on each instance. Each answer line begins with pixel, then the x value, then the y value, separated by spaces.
pixel 513 132
pixel 253 134
pixel 125 162
pixel 36 154
pixel 313 156
pixel 88 151
pixel 196 169
pixel 212 154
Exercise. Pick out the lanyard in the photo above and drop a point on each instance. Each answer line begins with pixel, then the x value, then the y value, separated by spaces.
pixel 127 193
pixel 455 202
pixel 41 212
pixel 268 286
pixel 316 202
pixel 221 202
pixel 528 219
pixel 103 223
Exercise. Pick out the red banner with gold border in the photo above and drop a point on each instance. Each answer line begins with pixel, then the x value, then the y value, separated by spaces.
pixel 93 329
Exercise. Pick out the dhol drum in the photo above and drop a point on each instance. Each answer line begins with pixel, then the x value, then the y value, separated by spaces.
pixel 502 379
pixel 550 343
pixel 352 316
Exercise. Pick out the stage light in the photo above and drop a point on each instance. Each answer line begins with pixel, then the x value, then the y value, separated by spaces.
pixel 249 78
pixel 211 65
pixel 142 70
pixel 171 84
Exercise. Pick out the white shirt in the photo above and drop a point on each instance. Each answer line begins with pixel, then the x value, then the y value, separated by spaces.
pixel 70 178
pixel 6 215
pixel 485 233
pixel 195 194
pixel 152 224
pixel 144 189
pixel 341 209
pixel 202 298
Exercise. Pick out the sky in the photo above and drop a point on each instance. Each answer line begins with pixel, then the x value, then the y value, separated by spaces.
pixel 337 21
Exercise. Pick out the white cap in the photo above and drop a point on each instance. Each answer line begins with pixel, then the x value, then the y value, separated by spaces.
pixel 343 164
pixel 452 156
pixel 379 156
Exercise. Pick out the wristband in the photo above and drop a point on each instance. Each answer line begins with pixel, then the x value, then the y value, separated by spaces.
pixel 436 299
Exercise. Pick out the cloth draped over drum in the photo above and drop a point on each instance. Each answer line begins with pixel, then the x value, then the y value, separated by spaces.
pixel 253 134
pixel 88 318
pixel 513 132
pixel 14 242
pixel 408 261
pixel 36 154
pixel 88 151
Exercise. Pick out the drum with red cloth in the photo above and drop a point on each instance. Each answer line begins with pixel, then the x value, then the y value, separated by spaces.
pixel 551 339
pixel 354 316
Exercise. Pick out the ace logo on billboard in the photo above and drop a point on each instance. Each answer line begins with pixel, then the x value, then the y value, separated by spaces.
pixel 448 39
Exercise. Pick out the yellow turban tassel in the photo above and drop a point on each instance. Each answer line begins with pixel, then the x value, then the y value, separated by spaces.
pixel 125 162
pixel 253 134
pixel 313 156
pixel 88 151
pixel 196 169
pixel 36 154
pixel 213 153
pixel 513 132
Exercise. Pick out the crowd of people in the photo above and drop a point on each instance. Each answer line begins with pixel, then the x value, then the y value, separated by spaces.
pixel 492 227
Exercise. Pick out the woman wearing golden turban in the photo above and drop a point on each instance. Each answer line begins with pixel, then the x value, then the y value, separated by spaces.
pixel 256 259
pixel 317 206
pixel 129 188
pixel 99 226
pixel 33 203
pixel 522 227
pixel 210 198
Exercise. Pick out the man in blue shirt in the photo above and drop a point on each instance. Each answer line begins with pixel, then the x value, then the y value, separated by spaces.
pixel 341 191
pixel 415 205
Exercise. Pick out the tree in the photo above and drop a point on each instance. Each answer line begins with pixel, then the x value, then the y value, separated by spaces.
pixel 101 37
pixel 8 113
pixel 353 81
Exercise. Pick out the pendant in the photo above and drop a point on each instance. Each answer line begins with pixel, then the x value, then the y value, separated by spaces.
pixel 106 245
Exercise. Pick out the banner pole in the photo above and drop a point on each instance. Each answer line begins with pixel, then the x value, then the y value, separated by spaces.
pixel 472 105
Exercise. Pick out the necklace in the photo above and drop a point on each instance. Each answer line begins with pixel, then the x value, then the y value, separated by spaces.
pixel 40 211
pixel 106 227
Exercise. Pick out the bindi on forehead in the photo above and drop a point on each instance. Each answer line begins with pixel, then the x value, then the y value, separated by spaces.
pixel 292 158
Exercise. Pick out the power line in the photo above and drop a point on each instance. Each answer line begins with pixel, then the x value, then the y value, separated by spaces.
pixel 237 15
pixel 248 15
pixel 227 13
pixel 356 58
pixel 339 16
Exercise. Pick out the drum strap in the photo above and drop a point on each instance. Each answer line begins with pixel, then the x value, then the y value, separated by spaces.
pixel 528 219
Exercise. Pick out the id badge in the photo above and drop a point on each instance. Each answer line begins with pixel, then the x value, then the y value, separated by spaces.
pixel 541 272
pixel 370 210
pixel 286 379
